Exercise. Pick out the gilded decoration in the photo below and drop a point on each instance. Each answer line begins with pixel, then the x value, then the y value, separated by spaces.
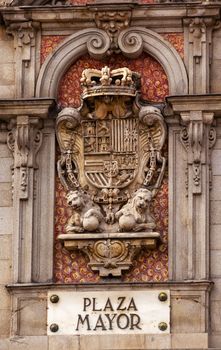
pixel 111 166
pixel 71 266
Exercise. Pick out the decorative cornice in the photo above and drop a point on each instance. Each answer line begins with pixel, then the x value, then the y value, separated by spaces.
pixel 36 107
pixel 197 135
pixel 140 13
pixel 204 102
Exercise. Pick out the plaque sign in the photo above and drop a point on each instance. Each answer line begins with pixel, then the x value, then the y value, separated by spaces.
pixel 109 312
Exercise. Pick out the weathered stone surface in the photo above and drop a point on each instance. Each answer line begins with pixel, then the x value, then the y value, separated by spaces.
pixel 65 342
pixel 216 76
pixel 215 212
pixel 32 317
pixel 5 323
pixel 4 344
pixel 7 52
pixel 5 169
pixel 215 263
pixel 216 316
pixel 6 246
pixel 215 341
pixel 28 343
pixel 215 236
pixel 216 188
pixel 186 314
pixel 5 271
pixel 7 91
pixel 5 151
pixel 190 341
pixel 5 298
pixel 7 74
pixel 216 289
pixel 6 194
pixel 113 342
pixel 6 222
pixel 216 162
pixel 162 341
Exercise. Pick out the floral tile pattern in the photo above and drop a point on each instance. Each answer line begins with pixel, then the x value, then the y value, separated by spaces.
pixel 48 44
pixel 177 40
pixel 154 80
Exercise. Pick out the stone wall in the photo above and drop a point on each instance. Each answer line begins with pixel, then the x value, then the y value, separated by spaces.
pixel 6 232
pixel 42 54
pixel 215 245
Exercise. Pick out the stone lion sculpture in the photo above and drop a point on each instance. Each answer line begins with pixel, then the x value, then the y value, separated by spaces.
pixel 135 215
pixel 86 214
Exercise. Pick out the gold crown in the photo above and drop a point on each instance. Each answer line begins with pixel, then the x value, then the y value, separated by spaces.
pixel 121 81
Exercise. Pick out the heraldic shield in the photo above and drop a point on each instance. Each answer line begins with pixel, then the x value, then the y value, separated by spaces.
pixel 111 165
pixel 111 152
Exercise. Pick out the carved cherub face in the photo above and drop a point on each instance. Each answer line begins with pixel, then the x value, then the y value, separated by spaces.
pixel 142 199
pixel 75 200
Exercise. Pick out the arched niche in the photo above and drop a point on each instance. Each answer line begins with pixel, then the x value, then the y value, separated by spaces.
pixel 132 42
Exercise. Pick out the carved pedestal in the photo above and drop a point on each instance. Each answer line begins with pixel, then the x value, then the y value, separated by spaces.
pixel 110 253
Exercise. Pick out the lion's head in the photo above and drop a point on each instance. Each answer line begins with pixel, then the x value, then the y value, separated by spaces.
pixel 76 200
pixel 141 199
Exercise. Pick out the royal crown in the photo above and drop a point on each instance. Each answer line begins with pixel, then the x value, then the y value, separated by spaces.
pixel 121 81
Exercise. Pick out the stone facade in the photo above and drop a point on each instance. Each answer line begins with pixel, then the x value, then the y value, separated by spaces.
pixel 175 47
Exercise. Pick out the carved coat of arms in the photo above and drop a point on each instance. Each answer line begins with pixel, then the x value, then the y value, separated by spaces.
pixel 111 161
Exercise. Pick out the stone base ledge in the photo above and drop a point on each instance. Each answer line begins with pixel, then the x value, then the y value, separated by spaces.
pixel 200 285
pixel 110 253
pixel 190 341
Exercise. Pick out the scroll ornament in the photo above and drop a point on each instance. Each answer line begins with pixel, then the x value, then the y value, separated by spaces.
pixel 112 166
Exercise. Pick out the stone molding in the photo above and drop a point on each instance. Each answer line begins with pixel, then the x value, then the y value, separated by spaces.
pixel 25 122
pixel 197 136
pixel 198 52
pixel 193 294
pixel 26 37
pixel 97 42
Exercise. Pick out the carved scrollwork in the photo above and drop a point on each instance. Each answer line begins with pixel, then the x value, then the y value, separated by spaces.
pixel 113 22
pixel 212 137
pixel 112 166
pixel 130 43
pixel 110 254
pixel 67 137
pixel 98 44
pixel 193 137
pixel 24 140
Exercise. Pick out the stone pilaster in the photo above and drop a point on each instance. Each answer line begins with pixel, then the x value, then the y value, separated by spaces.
pixel 26 122
pixel 26 44
pixel 198 51
pixel 195 115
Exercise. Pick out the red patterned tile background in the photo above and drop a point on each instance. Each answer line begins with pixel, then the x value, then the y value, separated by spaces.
pixel 71 267
pixel 177 40
pixel 48 44
pixel 154 80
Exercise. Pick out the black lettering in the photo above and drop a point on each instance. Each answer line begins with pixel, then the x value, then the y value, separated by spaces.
pixel 132 305
pixel 121 300
pixel 100 324
pixel 94 305
pixel 119 321
pixel 108 305
pixel 135 321
pixel 82 321
pixel 87 302
pixel 110 320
